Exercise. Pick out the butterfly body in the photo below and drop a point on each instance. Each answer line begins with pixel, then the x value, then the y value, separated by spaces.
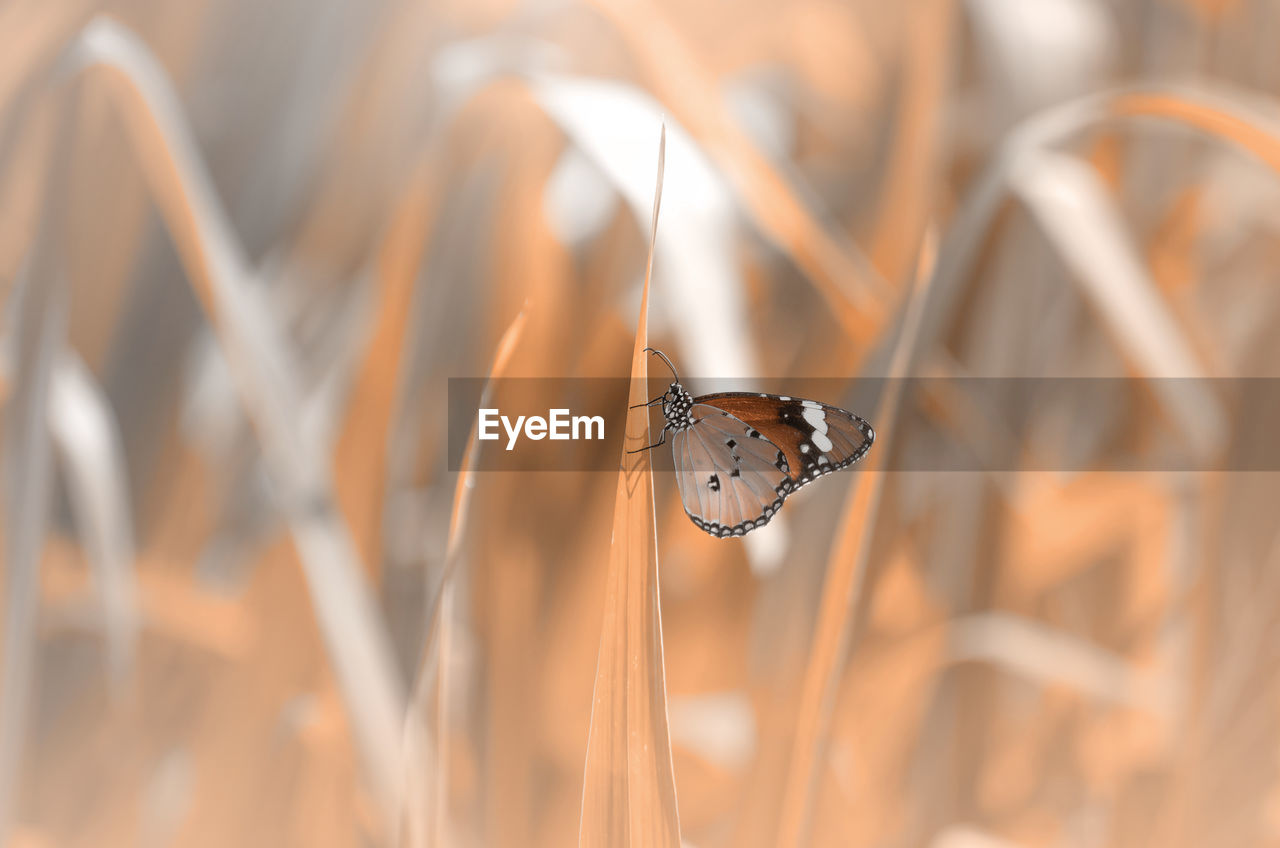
pixel 677 406
pixel 739 455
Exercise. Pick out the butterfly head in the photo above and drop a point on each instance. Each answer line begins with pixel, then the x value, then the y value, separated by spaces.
pixel 677 404
pixel 677 407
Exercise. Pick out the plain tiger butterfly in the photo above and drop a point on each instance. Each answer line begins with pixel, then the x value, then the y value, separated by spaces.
pixel 739 455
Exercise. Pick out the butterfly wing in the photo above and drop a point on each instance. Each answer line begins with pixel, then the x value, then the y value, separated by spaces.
pixel 816 438
pixel 732 479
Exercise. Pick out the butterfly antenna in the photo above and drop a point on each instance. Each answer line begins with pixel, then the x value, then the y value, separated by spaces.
pixel 664 359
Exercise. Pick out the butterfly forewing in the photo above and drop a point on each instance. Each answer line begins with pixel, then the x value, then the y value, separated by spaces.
pixel 731 478
pixel 815 438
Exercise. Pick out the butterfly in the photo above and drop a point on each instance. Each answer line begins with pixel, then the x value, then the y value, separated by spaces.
pixel 739 455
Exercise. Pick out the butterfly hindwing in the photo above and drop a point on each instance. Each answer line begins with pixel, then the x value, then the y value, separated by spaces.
pixel 815 438
pixel 731 478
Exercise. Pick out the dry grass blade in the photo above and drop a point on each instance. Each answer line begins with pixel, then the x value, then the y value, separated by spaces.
pixel 38 338
pixel 700 268
pixel 842 275
pixel 367 428
pixel 426 791
pixel 906 194
pixel 1029 648
pixel 1069 201
pixel 628 795
pixel 27 481
pixel 45 28
pixel 846 571
pixel 89 444
pixel 25 120
pixel 466 480
pixel 1218 111
pixel 266 378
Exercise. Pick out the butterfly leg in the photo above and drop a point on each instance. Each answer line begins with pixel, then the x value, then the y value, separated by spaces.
pixel 650 403
pixel 661 440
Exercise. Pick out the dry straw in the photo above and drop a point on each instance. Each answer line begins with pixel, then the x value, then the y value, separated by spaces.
pixel 629 794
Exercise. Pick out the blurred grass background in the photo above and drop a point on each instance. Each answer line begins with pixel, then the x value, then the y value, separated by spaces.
pixel 243 246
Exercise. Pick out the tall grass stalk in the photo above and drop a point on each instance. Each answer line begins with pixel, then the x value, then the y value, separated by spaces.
pixel 628 795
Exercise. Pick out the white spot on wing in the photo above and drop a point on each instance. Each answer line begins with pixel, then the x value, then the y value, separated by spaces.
pixel 818 420
pixel 820 439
